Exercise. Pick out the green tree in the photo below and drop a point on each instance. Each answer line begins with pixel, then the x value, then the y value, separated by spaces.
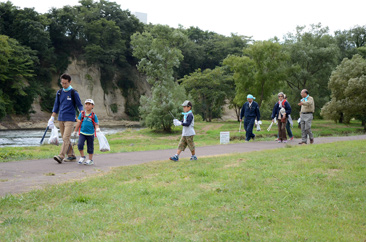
pixel 348 86
pixel 313 56
pixel 16 68
pixel 209 90
pixel 158 51
pixel 259 71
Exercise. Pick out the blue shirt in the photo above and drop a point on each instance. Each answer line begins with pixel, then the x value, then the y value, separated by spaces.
pixel 64 106
pixel 250 111
pixel 87 126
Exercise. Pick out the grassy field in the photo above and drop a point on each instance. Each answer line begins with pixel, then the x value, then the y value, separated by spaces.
pixel 207 134
pixel 299 193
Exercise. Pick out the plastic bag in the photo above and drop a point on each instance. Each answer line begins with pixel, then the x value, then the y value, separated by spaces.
pixel 103 142
pixel 54 139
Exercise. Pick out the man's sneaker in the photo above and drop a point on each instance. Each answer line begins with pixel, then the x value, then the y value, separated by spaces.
pixel 81 161
pixel 311 141
pixel 57 158
pixel 292 138
pixel 193 157
pixel 89 162
pixel 70 158
pixel 174 158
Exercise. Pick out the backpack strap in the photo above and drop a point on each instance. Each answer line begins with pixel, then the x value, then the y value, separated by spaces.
pixel 92 118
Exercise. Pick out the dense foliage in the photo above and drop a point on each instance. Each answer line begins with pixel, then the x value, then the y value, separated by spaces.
pixel 36 47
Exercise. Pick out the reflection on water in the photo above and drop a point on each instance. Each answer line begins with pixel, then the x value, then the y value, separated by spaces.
pixel 9 138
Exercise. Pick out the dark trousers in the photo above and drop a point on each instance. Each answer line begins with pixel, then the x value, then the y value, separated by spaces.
pixel 89 143
pixel 282 130
pixel 248 126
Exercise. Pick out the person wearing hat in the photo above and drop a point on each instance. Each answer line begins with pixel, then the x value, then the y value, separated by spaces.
pixel 250 111
pixel 88 126
pixel 187 133
pixel 66 101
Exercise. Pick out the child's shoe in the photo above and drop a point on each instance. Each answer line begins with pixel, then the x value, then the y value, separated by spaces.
pixel 174 158
pixel 193 157
pixel 89 162
pixel 81 161
pixel 285 141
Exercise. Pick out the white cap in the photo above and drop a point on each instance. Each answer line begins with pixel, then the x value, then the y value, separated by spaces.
pixel 89 101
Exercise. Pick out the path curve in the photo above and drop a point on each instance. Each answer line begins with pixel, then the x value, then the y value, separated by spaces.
pixel 22 176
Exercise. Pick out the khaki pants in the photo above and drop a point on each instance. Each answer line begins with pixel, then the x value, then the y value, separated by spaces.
pixel 66 128
pixel 306 127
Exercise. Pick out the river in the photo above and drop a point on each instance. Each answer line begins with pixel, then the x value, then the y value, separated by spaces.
pixel 18 138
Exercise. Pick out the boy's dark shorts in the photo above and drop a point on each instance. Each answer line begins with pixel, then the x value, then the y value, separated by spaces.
pixel 186 141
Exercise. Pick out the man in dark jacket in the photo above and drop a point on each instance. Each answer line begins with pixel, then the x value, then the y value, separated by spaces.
pixel 67 100
pixel 250 111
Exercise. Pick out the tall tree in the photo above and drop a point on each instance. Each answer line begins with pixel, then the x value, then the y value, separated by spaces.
pixel 209 90
pixel 259 71
pixel 158 51
pixel 313 56
pixel 348 86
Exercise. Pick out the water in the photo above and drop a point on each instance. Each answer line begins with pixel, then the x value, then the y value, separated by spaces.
pixel 19 138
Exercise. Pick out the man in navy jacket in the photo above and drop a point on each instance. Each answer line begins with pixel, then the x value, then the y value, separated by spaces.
pixel 67 100
pixel 250 111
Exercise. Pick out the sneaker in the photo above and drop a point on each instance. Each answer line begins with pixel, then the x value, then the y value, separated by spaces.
pixel 174 158
pixel 89 162
pixel 70 158
pixel 81 161
pixel 292 138
pixel 193 157
pixel 58 159
pixel 279 141
pixel 311 141
pixel 285 141
pixel 276 139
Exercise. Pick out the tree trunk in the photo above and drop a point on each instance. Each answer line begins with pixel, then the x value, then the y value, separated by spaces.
pixel 341 119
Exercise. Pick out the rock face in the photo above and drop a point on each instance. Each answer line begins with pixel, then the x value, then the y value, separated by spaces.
pixel 110 104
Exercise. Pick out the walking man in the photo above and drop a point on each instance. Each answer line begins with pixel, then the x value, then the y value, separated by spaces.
pixel 250 111
pixel 306 116
pixel 66 102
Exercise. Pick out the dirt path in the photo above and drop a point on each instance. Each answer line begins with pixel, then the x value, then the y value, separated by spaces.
pixel 23 176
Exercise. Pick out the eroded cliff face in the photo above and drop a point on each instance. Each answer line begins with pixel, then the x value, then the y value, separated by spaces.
pixel 110 103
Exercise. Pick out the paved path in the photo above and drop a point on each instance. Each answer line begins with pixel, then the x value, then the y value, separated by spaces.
pixel 23 176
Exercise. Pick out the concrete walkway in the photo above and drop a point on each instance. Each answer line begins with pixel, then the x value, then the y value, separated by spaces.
pixel 23 176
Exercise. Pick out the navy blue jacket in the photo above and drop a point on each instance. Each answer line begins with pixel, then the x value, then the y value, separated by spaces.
pixel 276 110
pixel 64 106
pixel 250 112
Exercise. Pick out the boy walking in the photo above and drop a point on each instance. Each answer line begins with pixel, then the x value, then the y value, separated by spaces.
pixel 87 124
pixel 187 133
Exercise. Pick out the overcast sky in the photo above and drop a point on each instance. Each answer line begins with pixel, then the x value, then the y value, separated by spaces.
pixel 262 19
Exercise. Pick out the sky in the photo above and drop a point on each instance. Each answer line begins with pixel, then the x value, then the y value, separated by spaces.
pixel 261 19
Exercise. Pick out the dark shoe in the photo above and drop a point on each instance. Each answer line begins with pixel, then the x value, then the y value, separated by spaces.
pixel 174 158
pixel 253 137
pixel 71 158
pixel 311 141
pixel 58 159
pixel 302 143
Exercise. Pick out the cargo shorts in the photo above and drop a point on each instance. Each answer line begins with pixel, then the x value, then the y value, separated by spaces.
pixel 186 141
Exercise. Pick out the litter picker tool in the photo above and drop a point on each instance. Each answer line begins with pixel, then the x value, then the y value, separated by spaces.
pixel 270 126
pixel 239 126
pixel 172 115
pixel 45 132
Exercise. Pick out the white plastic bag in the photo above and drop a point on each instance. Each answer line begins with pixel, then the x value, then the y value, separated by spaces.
pixel 54 139
pixel 103 142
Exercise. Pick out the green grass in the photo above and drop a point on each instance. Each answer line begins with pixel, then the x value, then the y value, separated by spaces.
pixel 207 134
pixel 313 193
